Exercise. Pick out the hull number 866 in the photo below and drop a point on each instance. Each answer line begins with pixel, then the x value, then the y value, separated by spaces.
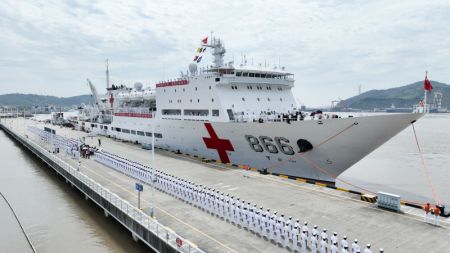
pixel 277 145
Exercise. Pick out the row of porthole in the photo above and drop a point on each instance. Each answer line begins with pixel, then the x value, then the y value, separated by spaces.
pixel 268 99
pixel 179 100
pixel 175 90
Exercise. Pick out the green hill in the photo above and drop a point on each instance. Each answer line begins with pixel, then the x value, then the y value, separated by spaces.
pixel 28 100
pixel 400 97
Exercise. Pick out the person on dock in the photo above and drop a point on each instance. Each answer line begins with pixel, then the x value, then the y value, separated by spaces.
pixel 437 212
pixel 334 247
pixel 295 239
pixel 314 243
pixel 323 246
pixel 355 246
pixel 427 209
pixel 367 249
pixel 344 242
pixel 304 239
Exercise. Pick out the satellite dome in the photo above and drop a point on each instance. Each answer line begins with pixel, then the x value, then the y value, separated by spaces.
pixel 193 68
pixel 138 86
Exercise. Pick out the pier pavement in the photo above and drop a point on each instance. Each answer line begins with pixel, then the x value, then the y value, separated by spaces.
pixel 328 208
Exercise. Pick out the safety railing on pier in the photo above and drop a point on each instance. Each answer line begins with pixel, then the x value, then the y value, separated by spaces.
pixel 169 236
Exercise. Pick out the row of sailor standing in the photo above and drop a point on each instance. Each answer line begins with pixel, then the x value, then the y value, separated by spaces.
pixel 288 232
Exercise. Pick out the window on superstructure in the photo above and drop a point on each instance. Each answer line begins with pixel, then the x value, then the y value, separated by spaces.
pixel 125 131
pixel 148 134
pixel 251 74
pixel 140 133
pixel 257 75
pixel 215 113
pixel 191 112
pixel 212 100
pixel 157 135
pixel 245 74
pixel 263 75
pixel 118 129
pixel 171 112
pixel 133 131
pixel 238 73
pixel 198 100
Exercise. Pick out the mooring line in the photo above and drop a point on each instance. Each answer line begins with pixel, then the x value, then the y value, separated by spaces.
pixel 20 224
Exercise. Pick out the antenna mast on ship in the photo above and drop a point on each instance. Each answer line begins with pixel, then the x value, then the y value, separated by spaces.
pixel 218 51
pixel 107 74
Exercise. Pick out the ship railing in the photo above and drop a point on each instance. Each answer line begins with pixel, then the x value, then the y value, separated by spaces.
pixel 164 233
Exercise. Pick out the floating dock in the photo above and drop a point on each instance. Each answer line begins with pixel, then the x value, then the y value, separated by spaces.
pixel 197 231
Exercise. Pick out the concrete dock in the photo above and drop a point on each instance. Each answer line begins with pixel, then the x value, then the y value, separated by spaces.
pixel 335 210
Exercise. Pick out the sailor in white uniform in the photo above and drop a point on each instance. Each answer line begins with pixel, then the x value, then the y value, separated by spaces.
pixel 314 243
pixel 334 238
pixel 314 230
pixel 305 228
pixel 334 247
pixel 271 228
pixel 278 231
pixel 324 235
pixel 289 224
pixel 304 240
pixel 323 246
pixel 355 246
pixel 286 233
pixel 367 249
pixel 238 215
pixel 264 225
pixel 295 238
pixel 344 242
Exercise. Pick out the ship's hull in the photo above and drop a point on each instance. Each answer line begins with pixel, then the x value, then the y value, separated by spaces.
pixel 337 144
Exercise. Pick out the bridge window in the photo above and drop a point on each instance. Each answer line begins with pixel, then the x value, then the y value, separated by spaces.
pixel 263 75
pixel 171 112
pixel 257 75
pixel 140 133
pixel 125 131
pixel 191 112
pixel 133 132
pixel 157 135
pixel 251 74
pixel 238 73
pixel 148 134
pixel 118 129
pixel 245 74
pixel 215 113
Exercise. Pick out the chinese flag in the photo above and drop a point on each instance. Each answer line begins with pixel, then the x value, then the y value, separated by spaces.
pixel 426 84
pixel 205 40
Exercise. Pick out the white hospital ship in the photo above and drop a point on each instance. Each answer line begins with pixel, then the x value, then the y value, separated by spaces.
pixel 241 115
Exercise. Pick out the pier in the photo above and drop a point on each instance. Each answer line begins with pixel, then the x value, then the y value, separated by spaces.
pixel 178 226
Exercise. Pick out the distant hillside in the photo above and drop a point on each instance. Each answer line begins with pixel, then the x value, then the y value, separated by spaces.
pixel 28 100
pixel 400 97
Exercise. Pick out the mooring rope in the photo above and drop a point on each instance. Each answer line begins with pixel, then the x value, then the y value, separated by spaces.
pixel 425 169
pixel 20 224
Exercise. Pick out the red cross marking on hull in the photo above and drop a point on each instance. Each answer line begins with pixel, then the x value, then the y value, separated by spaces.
pixel 221 145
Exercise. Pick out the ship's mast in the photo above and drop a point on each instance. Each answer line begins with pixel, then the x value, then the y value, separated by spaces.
pixel 218 51
pixel 107 74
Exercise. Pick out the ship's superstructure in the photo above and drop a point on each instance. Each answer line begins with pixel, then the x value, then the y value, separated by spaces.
pixel 239 114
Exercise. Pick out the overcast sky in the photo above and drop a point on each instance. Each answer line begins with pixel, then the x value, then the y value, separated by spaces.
pixel 51 47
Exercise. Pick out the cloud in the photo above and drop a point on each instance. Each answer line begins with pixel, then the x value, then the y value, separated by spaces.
pixel 51 47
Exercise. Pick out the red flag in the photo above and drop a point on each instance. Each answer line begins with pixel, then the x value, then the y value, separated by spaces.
pixel 426 84
pixel 205 40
